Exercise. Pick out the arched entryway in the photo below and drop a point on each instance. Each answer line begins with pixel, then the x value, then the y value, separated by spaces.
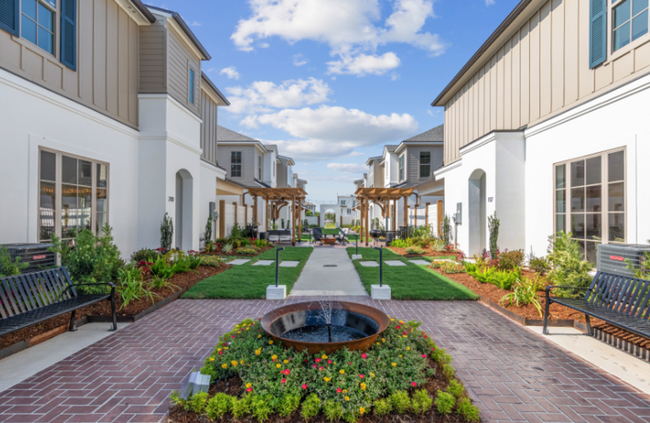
pixel 184 198
pixel 477 217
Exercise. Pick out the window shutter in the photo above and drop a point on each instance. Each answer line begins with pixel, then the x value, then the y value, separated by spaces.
pixel 10 16
pixel 69 33
pixel 598 33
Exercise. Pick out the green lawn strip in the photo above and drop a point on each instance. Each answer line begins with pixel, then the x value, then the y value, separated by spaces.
pixel 412 282
pixel 249 282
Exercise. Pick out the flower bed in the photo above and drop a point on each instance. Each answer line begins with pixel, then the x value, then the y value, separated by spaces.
pixel 427 252
pixel 404 373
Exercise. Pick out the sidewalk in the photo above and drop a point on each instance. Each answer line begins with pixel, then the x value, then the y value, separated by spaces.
pixel 318 280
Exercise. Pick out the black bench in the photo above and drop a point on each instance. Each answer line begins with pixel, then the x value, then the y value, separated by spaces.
pixel 35 297
pixel 620 300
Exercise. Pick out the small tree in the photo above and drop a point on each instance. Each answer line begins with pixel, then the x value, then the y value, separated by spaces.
pixel 446 230
pixel 166 232
pixel 493 224
pixel 207 235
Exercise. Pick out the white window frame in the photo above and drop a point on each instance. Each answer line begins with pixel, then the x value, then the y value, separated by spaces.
pixel 401 166
pixel 259 167
pixel 58 182
pixel 427 164
pixel 615 54
pixel 55 27
pixel 241 159
pixel 191 93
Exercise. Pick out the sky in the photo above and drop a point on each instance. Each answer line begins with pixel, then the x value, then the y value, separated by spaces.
pixel 332 81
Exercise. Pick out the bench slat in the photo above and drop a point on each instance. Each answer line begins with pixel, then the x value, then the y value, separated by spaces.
pixel 15 296
pixel 54 277
pixel 24 293
pixel 602 289
pixel 640 294
pixel 49 288
pixel 5 308
pixel 620 294
pixel 36 294
pixel 644 308
pixel 612 285
pixel 68 281
pixel 41 283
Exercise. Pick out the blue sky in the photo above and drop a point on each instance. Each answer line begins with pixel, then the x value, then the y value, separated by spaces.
pixel 332 81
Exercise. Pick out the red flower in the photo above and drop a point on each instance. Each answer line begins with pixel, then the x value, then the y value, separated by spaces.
pixel 314 366
pixel 350 363
pixel 425 337
pixel 329 361
pixel 318 360
pixel 233 336
pixel 249 390
pixel 433 348
pixel 286 372
pixel 424 356
pixel 361 376
pixel 399 327
pixel 364 355
pixel 220 352
pixel 304 386
pixel 283 381
pixel 339 390
pixel 321 368
pixel 414 384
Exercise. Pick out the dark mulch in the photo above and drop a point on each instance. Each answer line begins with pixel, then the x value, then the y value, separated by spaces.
pixel 427 253
pixel 183 281
pixel 234 387
pixel 233 252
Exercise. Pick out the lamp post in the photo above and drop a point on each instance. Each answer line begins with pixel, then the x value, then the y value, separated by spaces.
pixel 381 266
pixel 277 266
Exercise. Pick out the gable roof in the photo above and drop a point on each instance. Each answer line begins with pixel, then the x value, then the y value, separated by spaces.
pixel 186 29
pixel 225 134
pixel 143 9
pixel 436 134
pixel 214 88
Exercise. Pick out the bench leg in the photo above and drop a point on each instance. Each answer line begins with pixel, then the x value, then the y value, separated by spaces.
pixel 546 314
pixel 72 327
pixel 588 325
pixel 114 328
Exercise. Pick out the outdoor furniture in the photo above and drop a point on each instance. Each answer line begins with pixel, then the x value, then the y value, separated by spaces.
pixel 318 235
pixel 342 237
pixel 619 300
pixel 35 297
pixel 279 236
pixel 329 241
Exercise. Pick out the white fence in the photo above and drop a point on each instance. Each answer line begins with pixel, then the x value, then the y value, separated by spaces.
pixel 230 219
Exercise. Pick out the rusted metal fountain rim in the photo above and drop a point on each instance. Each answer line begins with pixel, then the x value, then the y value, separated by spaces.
pixel 328 347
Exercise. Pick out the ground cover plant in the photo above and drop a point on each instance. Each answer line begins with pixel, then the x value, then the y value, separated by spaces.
pixel 410 282
pixel 247 281
pixel 403 373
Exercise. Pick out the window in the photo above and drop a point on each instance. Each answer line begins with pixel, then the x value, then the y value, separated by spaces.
pixel 235 164
pixel 73 195
pixel 590 200
pixel 401 168
pixel 191 86
pixel 259 167
pixel 629 21
pixel 342 203
pixel 425 164
pixel 37 23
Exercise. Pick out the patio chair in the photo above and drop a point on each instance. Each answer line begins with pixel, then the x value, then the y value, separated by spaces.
pixel 285 236
pixel 342 237
pixel 273 236
pixel 318 235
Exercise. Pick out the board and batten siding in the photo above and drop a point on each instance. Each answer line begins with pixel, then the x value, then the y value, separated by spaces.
pixel 153 56
pixel 209 129
pixel 413 160
pixel 106 79
pixel 248 154
pixel 541 71
pixel 179 61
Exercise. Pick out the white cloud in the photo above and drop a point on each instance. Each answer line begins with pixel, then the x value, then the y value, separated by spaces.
pixel 299 60
pixel 348 167
pixel 490 2
pixel 356 153
pixel 363 64
pixel 331 132
pixel 264 96
pixel 230 72
pixel 350 27
pixel 430 112
pixel 195 23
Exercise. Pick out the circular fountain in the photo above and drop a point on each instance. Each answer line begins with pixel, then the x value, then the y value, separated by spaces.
pixel 325 326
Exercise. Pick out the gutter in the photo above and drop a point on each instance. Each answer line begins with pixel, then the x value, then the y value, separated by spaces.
pixel 179 20
pixel 144 10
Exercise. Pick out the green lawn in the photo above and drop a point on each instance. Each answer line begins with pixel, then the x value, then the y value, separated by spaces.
pixel 248 281
pixel 412 282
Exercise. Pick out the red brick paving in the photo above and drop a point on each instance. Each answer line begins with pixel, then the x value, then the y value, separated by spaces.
pixel 512 374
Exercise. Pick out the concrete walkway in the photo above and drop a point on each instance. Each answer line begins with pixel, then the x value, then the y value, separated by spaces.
pixel 318 280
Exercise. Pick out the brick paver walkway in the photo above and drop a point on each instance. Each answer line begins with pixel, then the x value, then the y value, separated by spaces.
pixel 512 374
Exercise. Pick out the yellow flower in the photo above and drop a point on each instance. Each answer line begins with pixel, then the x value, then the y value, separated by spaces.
pixel 211 358
pixel 388 315
pixel 342 371
pixel 241 362
pixel 345 391
pixel 286 361
pixel 377 343
pixel 363 386
pixel 405 336
pixel 372 374
pixel 236 326
pixel 400 356
pixel 347 398
pixel 362 410
pixel 324 357
pixel 234 363
pixel 258 351
pixel 327 379
pixel 224 365
pixel 392 320
pixel 248 385
pixel 274 357
pixel 383 339
pixel 278 365
pixel 401 322
pixel 270 342
pixel 394 364
pixel 247 328
pixel 408 348
pixel 259 336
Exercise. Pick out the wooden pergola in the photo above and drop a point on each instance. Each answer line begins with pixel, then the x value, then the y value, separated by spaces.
pixel 382 197
pixel 278 198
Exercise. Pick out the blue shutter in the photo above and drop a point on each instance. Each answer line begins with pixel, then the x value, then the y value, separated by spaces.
pixel 10 16
pixel 69 33
pixel 192 86
pixel 597 33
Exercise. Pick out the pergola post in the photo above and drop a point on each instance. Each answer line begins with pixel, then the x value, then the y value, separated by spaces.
pixel 361 211
pixel 415 216
pixel 293 226
pixel 426 214
pixel 300 220
pixel 394 215
pixel 406 208
pixel 367 220
pixel 255 210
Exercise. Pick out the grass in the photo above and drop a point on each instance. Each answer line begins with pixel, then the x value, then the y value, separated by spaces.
pixel 412 282
pixel 248 281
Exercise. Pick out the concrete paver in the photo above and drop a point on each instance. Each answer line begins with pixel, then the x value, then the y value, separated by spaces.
pixel 319 278
pixel 289 264
pixel 263 262
pixel 395 263
pixel 369 263
pixel 420 262
pixel 238 262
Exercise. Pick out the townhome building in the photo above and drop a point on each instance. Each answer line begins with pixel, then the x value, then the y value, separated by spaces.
pixel 106 117
pixel 546 126
pixel 347 214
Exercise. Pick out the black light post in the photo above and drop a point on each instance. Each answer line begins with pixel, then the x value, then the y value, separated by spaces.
pixel 381 266
pixel 277 266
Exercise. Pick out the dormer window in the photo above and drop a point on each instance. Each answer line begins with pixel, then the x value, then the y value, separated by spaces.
pixel 37 23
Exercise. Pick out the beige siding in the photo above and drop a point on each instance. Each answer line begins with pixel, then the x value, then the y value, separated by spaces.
pixel 106 76
pixel 153 56
pixel 209 129
pixel 413 162
pixel 542 70
pixel 179 60
pixel 249 166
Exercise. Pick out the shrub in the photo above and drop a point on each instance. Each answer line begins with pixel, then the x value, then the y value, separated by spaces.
pixel 161 268
pixel 207 233
pixel 8 267
pixel 160 283
pixel 219 405
pixel 445 402
pixel 130 286
pixel 524 293
pixel 448 370
pixel 511 259
pixel 166 232
pixel 468 410
pixel 446 230
pixel 456 388
pixel 569 269
pixel 414 250
pixel 93 260
pixel 431 372
pixel 439 245
pixel 242 407
pixel 421 402
pixel 145 254
pixel 198 402
pixel 452 268
pixel 642 271
pixel 504 279
pixel 311 407
pixel 227 248
pixel 261 243
pixel 332 410
pixel 261 407
pixel 246 251
pixel 288 404
pixel 539 265
pixel 401 402
pixel 399 243
pixel 211 261
pixel 182 264
pixel 493 224
pixel 383 407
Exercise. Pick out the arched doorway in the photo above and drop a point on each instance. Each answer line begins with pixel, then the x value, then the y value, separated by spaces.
pixel 184 198
pixel 329 218
pixel 477 212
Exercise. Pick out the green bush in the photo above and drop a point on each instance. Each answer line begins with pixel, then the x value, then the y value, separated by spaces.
pixel 242 407
pixel 524 293
pixel 8 267
pixel 493 223
pixel 261 407
pixel 219 405
pixel 145 254
pixel 511 260
pixel 166 232
pixel 539 265
pixel 247 251
pixel 130 286
pixel 568 267
pixel 311 407
pixel 401 402
pixel 162 268
pixel 399 243
pixel 198 402
pixel 448 370
pixel 93 260
pixel 431 372
pixel 445 402
pixel 288 404
pixel 421 402
pixel 414 250
pixel 213 261
pixel 469 411
pixel 332 410
pixel 456 388
pixel 383 407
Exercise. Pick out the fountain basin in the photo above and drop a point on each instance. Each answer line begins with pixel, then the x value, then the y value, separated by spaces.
pixel 303 326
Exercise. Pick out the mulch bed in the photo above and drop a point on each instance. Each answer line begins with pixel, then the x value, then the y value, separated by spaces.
pixel 183 281
pixel 233 252
pixel 427 253
pixel 233 386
